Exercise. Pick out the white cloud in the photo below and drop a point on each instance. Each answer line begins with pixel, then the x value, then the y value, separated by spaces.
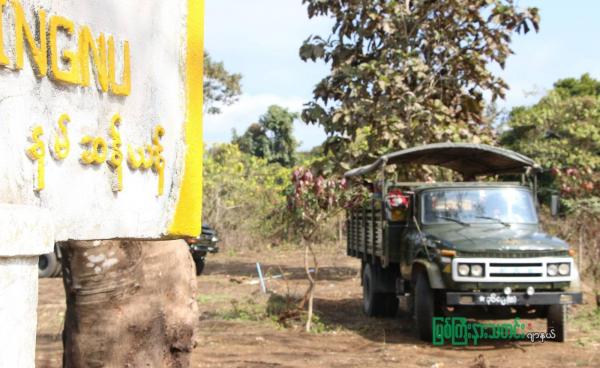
pixel 249 108
pixel 260 39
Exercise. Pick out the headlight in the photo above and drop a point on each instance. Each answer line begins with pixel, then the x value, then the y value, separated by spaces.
pixel 214 239
pixel 463 269
pixel 477 270
pixel 564 269
pixel 552 269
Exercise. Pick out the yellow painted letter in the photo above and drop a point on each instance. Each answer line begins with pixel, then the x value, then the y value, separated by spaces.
pixel 124 88
pixel 68 56
pixel 38 54
pixel 3 58
pixel 36 152
pixel 88 47
pixel 158 165
pixel 116 158
pixel 61 142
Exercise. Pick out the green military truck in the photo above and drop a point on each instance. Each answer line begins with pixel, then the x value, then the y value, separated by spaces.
pixel 470 248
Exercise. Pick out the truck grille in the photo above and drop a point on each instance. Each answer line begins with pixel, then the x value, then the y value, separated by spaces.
pixel 516 269
pixel 512 269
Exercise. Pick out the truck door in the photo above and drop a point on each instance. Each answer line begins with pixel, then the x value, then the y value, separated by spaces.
pixel 398 212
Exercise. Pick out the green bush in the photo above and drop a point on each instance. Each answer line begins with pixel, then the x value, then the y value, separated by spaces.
pixel 243 196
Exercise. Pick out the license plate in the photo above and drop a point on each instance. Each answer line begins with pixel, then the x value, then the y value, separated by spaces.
pixel 495 299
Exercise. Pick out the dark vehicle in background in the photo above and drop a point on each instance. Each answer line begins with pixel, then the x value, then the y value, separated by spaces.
pixel 202 245
pixel 49 264
pixel 467 249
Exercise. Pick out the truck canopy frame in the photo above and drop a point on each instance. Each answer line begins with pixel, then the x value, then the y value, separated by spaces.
pixel 468 159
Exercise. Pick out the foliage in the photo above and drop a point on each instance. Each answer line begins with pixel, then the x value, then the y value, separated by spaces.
pixel 254 141
pixel 588 208
pixel 313 199
pixel 584 86
pixel 272 137
pixel 579 227
pixel 562 133
pixel 220 86
pixel 243 195
pixel 272 309
pixel 405 73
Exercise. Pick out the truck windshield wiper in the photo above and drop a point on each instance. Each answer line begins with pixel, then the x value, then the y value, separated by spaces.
pixel 494 219
pixel 453 220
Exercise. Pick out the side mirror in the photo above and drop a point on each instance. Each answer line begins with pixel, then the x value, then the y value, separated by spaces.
pixel 554 204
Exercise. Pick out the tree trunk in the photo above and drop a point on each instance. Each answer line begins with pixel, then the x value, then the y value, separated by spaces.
pixel 129 304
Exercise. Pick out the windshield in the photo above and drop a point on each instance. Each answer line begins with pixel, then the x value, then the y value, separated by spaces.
pixel 503 205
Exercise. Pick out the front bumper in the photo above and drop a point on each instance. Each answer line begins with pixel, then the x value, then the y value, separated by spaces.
pixel 201 248
pixel 516 298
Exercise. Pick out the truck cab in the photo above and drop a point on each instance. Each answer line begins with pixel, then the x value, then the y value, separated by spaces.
pixel 469 248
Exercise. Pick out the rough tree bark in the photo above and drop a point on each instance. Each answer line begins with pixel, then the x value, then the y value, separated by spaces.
pixel 129 304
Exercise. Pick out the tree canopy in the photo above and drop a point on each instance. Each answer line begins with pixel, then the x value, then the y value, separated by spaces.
pixel 272 137
pixel 584 86
pixel 220 86
pixel 408 72
pixel 562 133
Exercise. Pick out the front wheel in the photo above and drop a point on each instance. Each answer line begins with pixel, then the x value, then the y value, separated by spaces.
pixel 557 321
pixel 199 262
pixel 424 307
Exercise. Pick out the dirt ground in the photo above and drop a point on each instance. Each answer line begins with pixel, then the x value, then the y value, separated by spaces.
pixel 237 330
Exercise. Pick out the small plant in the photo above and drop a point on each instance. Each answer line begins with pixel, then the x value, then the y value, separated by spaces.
pixel 245 310
pixel 276 309
pixel 312 200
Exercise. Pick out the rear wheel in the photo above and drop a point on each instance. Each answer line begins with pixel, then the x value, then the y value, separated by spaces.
pixel 48 265
pixel 557 321
pixel 376 303
pixel 424 307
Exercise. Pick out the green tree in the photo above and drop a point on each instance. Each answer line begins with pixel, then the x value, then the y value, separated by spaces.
pixel 243 195
pixel 562 133
pixel 254 141
pixel 584 86
pixel 408 72
pixel 272 137
pixel 220 86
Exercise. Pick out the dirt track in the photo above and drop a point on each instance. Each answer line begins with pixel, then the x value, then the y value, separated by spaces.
pixel 236 332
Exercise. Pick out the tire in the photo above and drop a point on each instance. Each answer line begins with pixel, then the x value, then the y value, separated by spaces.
pixel 389 305
pixel 377 304
pixel 199 262
pixel 48 265
pixel 424 307
pixel 58 254
pixel 557 320
pixel 57 270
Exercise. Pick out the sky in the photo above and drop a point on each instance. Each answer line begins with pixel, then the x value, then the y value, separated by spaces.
pixel 260 40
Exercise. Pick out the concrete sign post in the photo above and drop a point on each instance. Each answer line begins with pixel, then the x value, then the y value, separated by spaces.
pixel 25 233
pixel 100 135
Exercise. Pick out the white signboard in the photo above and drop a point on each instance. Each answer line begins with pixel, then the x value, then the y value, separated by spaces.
pixel 100 116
